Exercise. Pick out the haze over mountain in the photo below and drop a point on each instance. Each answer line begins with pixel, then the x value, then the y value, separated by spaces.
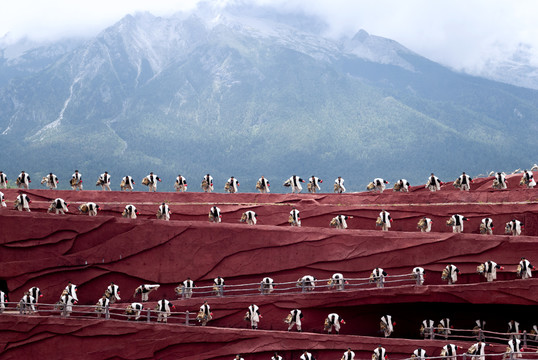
pixel 247 92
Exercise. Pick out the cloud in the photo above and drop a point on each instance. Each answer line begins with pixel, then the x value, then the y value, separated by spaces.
pixel 463 34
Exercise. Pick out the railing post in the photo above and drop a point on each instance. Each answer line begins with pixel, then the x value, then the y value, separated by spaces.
pixel 525 338
pixel 64 311
pixel 302 286
pixel 187 317
pixel 148 316
pixel 511 355
pixel 107 313
pixel 481 336
pixel 343 284
pixel 221 290
pixel 183 292
pixel 432 334
pixel 464 356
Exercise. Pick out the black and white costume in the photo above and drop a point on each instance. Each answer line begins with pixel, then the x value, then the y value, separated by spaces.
pixel 478 350
pixel 457 223
pixel 513 227
pixel 231 185
pixel 35 292
pixel 218 286
pixel 23 181
pixel 337 281
pixel 89 208
pixel 524 269
pixel 214 215
pixel 486 226
pixel 206 314
pixel 296 316
pixel 254 315
pixel 418 275
pixel 295 183
pixel 427 328
pixel 449 351
pixel 59 206
pixel 425 224
pixel 515 347
pixel 313 184
pixel 500 181
pixel 451 274
pixel 151 182
pixel 130 212
pixel 379 353
pixel 277 357
pixel 489 270
pixel 67 301
pixel 295 219
pixel 3 180
pixel 164 212
pixel 339 222
pixel 387 325
pixel 27 304
pixel 465 182
pixel 163 308
pixel 378 276
pixel 134 309
pixel 3 300
pixel 188 285
pixel 2 200
pixel 266 285
pixel 307 356
pixel 104 181
pixel 145 289
pixel 386 220
pixel 348 355
pixel 334 320
pixel 180 184
pixel 339 185
pixel 528 178
pixel 72 289
pixel 444 327
pixel 263 185
pixel 433 184
pixel 127 183
pixel 307 283
pixel 207 183
pixel 51 180
pixel 249 217
pixel 419 354
pixel 379 184
pixel 76 181
pixel 113 292
pixel 402 185
pixel 101 305
pixel 22 202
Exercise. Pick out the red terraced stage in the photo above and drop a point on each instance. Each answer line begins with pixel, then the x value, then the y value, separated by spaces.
pixel 45 250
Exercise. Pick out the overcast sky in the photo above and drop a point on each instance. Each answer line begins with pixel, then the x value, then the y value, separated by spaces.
pixel 462 34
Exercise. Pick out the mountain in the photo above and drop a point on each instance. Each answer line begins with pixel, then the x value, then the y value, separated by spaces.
pixel 517 69
pixel 246 93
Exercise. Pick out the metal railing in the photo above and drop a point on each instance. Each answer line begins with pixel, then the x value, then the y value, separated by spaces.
pixel 296 286
pixel 527 339
pixel 109 312
pixel 150 315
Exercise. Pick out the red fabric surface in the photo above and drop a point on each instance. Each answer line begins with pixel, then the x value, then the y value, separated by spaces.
pixel 51 338
pixel 45 250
